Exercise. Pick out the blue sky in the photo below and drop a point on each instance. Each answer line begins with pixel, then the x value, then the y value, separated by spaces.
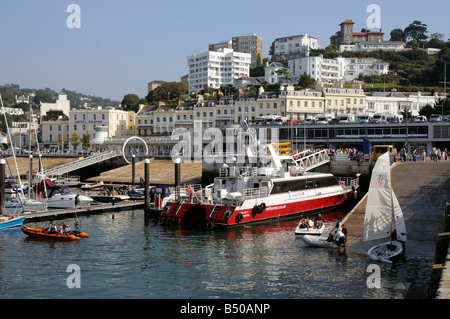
pixel 123 45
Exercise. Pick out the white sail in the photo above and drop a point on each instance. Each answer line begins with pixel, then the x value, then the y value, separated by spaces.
pixel 377 219
pixel 400 226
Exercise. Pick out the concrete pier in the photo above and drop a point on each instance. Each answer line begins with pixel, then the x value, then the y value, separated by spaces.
pixel 422 189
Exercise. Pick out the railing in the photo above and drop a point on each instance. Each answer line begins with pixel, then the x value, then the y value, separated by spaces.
pixel 251 193
pixel 68 167
pixel 312 161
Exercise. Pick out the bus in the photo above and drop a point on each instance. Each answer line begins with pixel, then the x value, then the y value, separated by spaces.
pixel 378 150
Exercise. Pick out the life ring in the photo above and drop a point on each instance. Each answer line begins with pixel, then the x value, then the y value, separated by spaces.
pixel 263 207
pixel 239 217
pixel 227 214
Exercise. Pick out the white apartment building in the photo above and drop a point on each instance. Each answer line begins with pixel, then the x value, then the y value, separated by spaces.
pixel 217 68
pixel 336 70
pixel 270 72
pixel 373 46
pixel 394 103
pixel 293 47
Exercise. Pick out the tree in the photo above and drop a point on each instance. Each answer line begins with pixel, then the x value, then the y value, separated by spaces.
pixel 75 140
pixel 86 140
pixel 284 75
pixel 398 35
pixel 167 91
pixel 130 102
pixel 306 81
pixel 416 31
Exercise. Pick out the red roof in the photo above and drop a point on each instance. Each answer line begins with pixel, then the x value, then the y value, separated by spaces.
pixel 359 33
pixel 348 21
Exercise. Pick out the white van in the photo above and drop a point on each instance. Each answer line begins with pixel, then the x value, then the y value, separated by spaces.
pixel 436 118
pixel 420 118
pixel 380 118
pixel 346 118
pixel 364 117
pixel 324 118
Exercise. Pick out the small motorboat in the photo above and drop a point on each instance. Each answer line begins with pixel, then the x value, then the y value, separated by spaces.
pixel 110 195
pixel 310 229
pixel 10 221
pixel 42 233
pixel 92 187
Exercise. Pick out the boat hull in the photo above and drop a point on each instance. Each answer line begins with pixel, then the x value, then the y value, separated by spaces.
pixel 386 252
pixel 257 210
pixel 316 241
pixel 68 201
pixel 11 222
pixel 110 198
pixel 40 233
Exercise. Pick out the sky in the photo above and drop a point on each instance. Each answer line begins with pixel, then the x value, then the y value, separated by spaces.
pixel 121 45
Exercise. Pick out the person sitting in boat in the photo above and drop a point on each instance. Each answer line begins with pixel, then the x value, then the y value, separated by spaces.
pixel 318 221
pixel 66 228
pixel 52 229
pixel 304 224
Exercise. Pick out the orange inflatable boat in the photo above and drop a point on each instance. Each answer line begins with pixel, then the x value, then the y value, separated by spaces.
pixel 41 233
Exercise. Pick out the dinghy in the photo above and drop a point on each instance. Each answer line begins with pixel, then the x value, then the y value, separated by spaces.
pixel 301 229
pixel 383 217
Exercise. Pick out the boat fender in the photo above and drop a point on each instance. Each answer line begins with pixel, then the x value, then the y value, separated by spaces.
pixel 262 207
pixel 341 197
pixel 239 217
pixel 256 209
pixel 227 214
pixel 355 195
pixel 166 209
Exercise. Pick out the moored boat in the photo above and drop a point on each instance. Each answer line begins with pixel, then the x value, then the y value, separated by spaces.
pixel 258 188
pixel 10 221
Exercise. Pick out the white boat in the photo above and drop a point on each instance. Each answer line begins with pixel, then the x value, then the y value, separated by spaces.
pixel 382 211
pixel 310 230
pixel 57 196
pixel 90 187
pixel 321 242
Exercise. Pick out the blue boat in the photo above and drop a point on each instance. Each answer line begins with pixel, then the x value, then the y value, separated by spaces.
pixel 11 221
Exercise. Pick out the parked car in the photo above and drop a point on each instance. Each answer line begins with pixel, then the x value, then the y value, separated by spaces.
pixel 420 118
pixel 436 118
pixel 380 118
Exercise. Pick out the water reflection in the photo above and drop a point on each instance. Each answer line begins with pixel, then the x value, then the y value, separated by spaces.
pixel 128 257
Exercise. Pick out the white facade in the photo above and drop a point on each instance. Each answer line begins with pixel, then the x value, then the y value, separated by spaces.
pixel 338 69
pixel 296 46
pixel 217 68
pixel 395 103
pixel 62 103
pixel 373 46
pixel 270 72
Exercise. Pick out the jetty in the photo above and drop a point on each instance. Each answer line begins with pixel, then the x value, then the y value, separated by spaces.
pixel 422 189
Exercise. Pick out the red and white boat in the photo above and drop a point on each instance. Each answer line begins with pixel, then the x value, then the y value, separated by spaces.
pixel 248 193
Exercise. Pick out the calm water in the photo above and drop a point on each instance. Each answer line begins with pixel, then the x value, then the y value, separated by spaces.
pixel 128 257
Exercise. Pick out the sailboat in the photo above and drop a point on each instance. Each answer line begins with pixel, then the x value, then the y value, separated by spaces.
pixel 382 212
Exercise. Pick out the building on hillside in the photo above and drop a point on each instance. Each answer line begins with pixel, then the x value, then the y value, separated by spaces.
pixel 347 35
pixel 336 70
pixel 217 68
pixel 220 45
pixel 293 47
pixel 249 43
pixel 371 46
pixel 61 104
pixel 270 72
pixel 153 85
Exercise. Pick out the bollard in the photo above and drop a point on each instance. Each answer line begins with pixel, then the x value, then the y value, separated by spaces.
pixel 177 162
pixel 147 186
pixel 2 186
pixel 132 170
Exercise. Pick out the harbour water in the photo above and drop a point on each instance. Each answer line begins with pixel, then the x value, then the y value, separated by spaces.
pixel 129 257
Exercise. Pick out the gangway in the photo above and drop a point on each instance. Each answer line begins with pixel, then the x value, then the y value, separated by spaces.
pixel 83 162
pixel 311 161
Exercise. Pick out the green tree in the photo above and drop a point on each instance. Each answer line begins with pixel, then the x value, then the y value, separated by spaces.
pixel 130 102
pixel 306 81
pixel 74 140
pixel 167 91
pixel 398 35
pixel 416 32
pixel 86 140
pixel 284 75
